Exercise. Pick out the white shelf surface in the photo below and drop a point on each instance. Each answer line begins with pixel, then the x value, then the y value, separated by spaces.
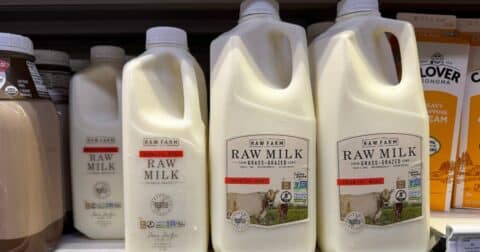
pixel 440 220
pixel 79 243
pixel 456 219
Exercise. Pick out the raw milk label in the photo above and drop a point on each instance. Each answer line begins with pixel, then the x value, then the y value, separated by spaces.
pixel 379 179
pixel 160 162
pixel 103 164
pixel 266 180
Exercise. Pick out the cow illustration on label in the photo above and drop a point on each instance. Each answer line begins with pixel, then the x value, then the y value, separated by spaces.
pixel 379 179
pixel 267 180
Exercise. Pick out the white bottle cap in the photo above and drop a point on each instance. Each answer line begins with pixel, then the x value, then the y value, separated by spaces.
pixel 52 57
pixel 107 53
pixel 165 35
pixel 15 43
pixel 346 7
pixel 249 7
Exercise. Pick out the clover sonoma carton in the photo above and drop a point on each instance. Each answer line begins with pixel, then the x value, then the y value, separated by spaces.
pixel 164 129
pixel 262 135
pixel 95 144
pixel 372 135
pixel 467 176
pixel 443 61
pixel 31 199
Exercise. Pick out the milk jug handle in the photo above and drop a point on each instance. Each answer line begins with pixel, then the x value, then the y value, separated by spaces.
pixel 405 35
pixel 299 52
pixel 191 99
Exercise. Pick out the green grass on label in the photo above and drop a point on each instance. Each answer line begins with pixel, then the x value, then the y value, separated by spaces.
pixel 388 215
pixel 272 217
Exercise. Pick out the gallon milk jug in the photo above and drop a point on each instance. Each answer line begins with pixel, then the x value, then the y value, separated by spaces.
pixel 372 136
pixel 95 137
pixel 164 128
pixel 31 199
pixel 262 135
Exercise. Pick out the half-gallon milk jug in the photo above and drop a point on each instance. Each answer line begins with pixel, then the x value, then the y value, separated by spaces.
pixel 373 136
pixel 262 135
pixel 31 199
pixel 54 67
pixel 164 129
pixel 95 143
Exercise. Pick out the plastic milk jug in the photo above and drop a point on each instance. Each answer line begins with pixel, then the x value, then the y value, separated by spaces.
pixel 96 140
pixel 164 128
pixel 262 135
pixel 372 136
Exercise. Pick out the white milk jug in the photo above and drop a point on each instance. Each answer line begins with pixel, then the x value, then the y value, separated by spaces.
pixel 96 140
pixel 164 129
pixel 372 136
pixel 262 135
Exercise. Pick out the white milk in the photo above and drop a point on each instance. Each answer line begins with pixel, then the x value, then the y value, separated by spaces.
pixel 467 177
pixel 372 136
pixel 262 135
pixel 95 130
pixel 443 56
pixel 164 128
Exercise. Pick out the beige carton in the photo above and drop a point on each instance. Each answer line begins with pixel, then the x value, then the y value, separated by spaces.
pixel 467 177
pixel 443 56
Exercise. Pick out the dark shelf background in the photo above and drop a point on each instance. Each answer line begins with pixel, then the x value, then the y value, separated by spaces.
pixel 76 25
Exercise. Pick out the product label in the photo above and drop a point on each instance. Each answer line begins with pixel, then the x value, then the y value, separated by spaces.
pixel 266 180
pixel 160 161
pixel 57 83
pixel 442 109
pixel 19 79
pixel 468 244
pixel 103 165
pixel 379 180
pixel 37 80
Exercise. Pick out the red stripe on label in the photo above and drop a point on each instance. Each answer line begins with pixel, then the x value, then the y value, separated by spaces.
pixel 361 181
pixel 100 149
pixel 247 181
pixel 161 154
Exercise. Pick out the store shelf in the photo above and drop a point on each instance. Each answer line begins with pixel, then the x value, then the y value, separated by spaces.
pixel 457 230
pixel 78 243
pixel 440 220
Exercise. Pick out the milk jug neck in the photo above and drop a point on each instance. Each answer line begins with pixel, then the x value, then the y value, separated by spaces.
pixel 353 15
pixel 258 17
pixel 259 9
pixel 163 47
pixel 108 61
